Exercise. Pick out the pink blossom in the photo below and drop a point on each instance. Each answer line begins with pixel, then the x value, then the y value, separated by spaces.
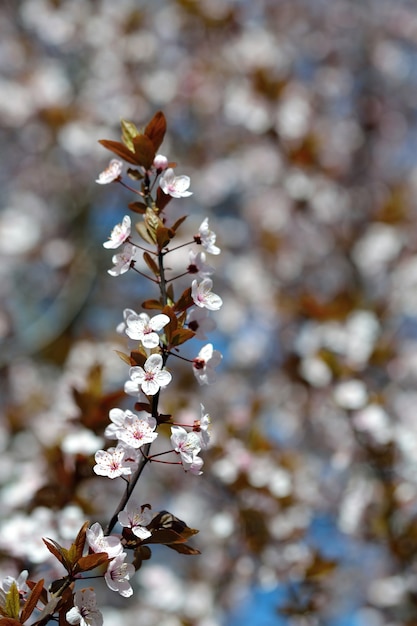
pixel 149 378
pixel 84 611
pixel 118 575
pixel 119 234
pixel 136 518
pixel 114 462
pixel 187 445
pixel 111 173
pixel 99 542
pixel 137 431
pixel 199 321
pixel 175 186
pixel 123 260
pixel 203 296
pixel 207 238
pixel 198 264
pixel 143 328
pixel 204 364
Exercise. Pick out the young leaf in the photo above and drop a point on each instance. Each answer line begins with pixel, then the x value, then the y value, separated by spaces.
pixel 119 149
pixel 164 236
pixel 80 540
pixel 137 207
pixel 123 356
pixel 183 548
pixel 32 601
pixel 91 561
pixel 58 552
pixel 184 301
pixel 178 223
pixel 150 262
pixel 134 174
pixel 151 304
pixel 181 336
pixel 144 151
pixel 156 129
pixel 129 132
pixel 143 232
pixel 13 601
pixel 162 199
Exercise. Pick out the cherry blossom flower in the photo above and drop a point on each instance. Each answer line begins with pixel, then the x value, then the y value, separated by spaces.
pixel 99 542
pixel 117 417
pixel 121 328
pixel 114 462
pixel 119 234
pixel 198 264
pixel 8 581
pixel 111 173
pixel 198 320
pixel 143 328
pixel 207 238
pixel 85 611
pixel 160 162
pixel 204 364
pixel 123 260
pixel 175 186
pixel 118 575
pixel 149 378
pixel 137 431
pixel 203 297
pixel 136 518
pixel 187 445
pixel 203 428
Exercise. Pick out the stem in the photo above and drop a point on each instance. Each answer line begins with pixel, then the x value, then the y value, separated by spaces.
pixel 155 399
pixel 130 188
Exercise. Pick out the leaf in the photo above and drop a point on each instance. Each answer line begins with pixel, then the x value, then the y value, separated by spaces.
pixel 119 149
pixel 137 207
pixel 129 132
pixel 55 549
pixel 143 232
pixel 178 223
pixel 32 601
pixel 8 621
pixel 91 561
pixel 150 262
pixel 123 356
pixel 144 151
pixel 137 358
pixel 156 129
pixel 134 174
pixel 152 304
pixel 164 236
pixel 180 336
pixel 183 548
pixel 80 540
pixel 143 406
pixel 162 199
pixel 184 301
pixel 13 601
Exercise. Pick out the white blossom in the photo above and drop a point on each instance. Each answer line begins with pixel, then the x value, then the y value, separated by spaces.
pixel 119 234
pixel 84 611
pixel 203 296
pixel 175 186
pixel 204 364
pixel 118 575
pixel 207 238
pixel 111 173
pixel 143 328
pixel 149 378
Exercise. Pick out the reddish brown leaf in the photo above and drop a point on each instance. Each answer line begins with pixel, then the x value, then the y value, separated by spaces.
pixel 80 539
pixel 55 549
pixel 162 199
pixel 8 621
pixel 137 207
pixel 91 561
pixel 150 262
pixel 144 151
pixel 181 335
pixel 183 548
pixel 178 223
pixel 164 236
pixel 124 357
pixel 32 601
pixel 184 301
pixel 156 129
pixel 118 148
pixel 151 304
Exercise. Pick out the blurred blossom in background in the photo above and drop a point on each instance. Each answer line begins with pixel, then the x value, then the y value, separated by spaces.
pixel 296 122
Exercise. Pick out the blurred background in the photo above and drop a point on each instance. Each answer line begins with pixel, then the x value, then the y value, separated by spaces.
pixel 296 121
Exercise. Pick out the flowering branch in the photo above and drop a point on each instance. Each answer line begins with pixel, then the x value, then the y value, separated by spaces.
pixel 152 341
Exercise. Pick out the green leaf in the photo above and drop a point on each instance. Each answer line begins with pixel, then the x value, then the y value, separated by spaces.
pixel 129 132
pixel 13 601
